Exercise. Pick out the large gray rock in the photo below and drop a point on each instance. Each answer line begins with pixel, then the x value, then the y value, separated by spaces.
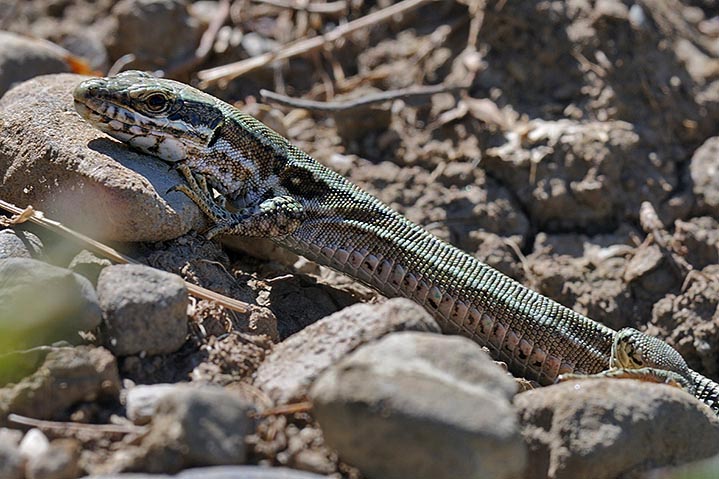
pixel 77 175
pixel 288 371
pixel 609 428
pixel 143 309
pixel 41 304
pixel 195 427
pixel 22 58
pixel 422 406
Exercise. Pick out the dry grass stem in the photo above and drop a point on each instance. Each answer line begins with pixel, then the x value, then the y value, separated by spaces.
pixel 226 73
pixel 37 217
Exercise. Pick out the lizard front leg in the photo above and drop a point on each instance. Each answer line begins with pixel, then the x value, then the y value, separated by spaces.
pixel 277 216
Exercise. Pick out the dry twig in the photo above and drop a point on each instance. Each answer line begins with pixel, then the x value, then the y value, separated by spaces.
pixel 37 217
pixel 401 94
pixel 286 409
pixel 226 73
pixel 327 8
pixel 45 425
pixel 120 64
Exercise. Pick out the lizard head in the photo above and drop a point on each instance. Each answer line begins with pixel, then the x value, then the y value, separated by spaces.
pixel 160 117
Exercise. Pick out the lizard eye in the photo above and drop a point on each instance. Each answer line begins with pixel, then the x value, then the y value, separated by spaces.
pixel 156 102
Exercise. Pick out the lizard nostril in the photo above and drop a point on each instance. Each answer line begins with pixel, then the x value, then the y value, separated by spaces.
pixel 86 89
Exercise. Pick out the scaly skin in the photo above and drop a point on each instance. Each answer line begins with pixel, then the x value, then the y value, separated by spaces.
pixel 270 188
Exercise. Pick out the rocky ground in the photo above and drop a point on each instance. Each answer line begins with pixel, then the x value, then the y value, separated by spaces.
pixel 573 145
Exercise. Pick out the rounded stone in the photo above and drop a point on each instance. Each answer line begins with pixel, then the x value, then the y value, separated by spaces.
pixel 143 309
pixel 423 406
pixel 22 58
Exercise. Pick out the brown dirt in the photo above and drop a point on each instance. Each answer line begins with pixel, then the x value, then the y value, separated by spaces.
pixel 575 113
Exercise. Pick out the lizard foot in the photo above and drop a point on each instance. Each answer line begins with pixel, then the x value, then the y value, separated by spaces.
pixel 652 375
pixel 636 355
pixel 199 192
pixel 206 203
pixel 278 216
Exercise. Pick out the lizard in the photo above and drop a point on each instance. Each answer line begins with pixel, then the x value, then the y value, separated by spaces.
pixel 251 181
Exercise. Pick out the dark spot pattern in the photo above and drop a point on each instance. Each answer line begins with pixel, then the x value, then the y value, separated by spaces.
pixel 300 181
pixel 196 113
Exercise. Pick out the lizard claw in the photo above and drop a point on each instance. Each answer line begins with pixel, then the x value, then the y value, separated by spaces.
pixel 182 189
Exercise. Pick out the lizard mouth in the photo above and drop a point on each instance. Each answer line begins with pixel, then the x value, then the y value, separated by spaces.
pixel 107 123
pixel 94 105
